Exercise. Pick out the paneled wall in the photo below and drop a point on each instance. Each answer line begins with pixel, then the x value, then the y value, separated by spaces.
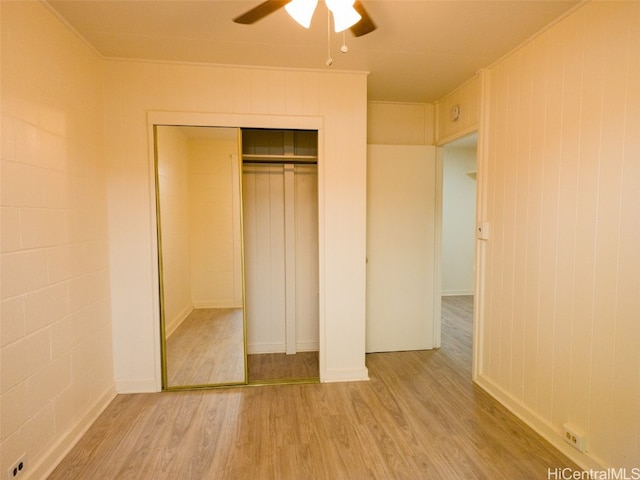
pixel 306 262
pixel 466 99
pixel 333 103
pixel 395 123
pixel 561 323
pixel 264 229
pixel 281 250
pixel 55 349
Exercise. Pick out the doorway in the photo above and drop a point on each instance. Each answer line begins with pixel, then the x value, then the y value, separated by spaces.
pixel 458 237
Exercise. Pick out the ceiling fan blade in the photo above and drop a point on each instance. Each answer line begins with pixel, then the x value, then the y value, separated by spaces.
pixel 365 25
pixel 260 11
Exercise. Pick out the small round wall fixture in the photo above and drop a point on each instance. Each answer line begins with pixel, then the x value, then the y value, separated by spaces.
pixel 455 113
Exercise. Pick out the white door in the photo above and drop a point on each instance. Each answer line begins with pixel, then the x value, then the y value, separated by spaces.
pixel 401 246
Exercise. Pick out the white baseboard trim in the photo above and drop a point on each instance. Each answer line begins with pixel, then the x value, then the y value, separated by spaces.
pixel 540 426
pixel 258 348
pixel 350 375
pixel 307 346
pixel 136 386
pixel 455 293
pixel 217 304
pixel 54 454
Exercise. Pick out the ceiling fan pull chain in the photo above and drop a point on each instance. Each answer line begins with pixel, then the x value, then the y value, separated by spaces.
pixel 329 59
pixel 344 48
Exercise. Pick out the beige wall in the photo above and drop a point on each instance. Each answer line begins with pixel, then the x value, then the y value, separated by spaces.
pixel 458 218
pixel 395 123
pixel 333 103
pixel 560 310
pixel 467 99
pixel 55 350
pixel 214 223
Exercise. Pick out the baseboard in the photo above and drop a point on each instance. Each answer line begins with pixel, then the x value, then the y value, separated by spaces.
pixel 347 375
pixel 258 348
pixel 137 386
pixel 540 426
pixel 307 346
pixel 455 293
pixel 54 455
pixel 217 304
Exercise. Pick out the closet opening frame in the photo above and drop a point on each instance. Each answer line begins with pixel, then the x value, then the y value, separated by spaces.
pixel 296 152
pixel 242 121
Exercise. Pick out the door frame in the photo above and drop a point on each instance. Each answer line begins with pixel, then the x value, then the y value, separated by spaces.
pixel 437 270
pixel 232 120
pixel 479 250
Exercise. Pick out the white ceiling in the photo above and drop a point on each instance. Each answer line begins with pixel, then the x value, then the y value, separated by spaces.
pixel 420 51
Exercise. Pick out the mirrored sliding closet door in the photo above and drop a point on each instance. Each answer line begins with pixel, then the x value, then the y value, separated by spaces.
pixel 233 204
pixel 198 195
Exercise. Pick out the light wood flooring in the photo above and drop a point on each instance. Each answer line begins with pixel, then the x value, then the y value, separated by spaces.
pixel 419 417
pixel 207 348
pixel 280 366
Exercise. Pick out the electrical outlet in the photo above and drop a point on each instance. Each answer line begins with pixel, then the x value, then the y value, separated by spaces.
pixel 17 469
pixel 574 437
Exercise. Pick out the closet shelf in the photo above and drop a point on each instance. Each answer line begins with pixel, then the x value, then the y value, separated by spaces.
pixel 256 158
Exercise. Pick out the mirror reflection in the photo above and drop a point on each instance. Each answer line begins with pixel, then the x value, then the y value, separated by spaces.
pixel 200 256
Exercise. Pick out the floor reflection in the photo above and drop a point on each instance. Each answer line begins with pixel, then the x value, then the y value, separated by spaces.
pixel 207 348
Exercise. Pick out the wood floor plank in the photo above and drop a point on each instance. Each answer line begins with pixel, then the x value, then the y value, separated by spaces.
pixel 419 417
pixel 280 366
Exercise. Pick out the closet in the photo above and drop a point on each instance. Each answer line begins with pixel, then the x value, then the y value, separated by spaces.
pixel 280 232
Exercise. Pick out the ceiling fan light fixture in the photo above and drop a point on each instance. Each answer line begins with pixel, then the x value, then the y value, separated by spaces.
pixel 302 11
pixel 344 15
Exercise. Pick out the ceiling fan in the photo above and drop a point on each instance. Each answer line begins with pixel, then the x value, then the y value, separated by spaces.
pixel 363 26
